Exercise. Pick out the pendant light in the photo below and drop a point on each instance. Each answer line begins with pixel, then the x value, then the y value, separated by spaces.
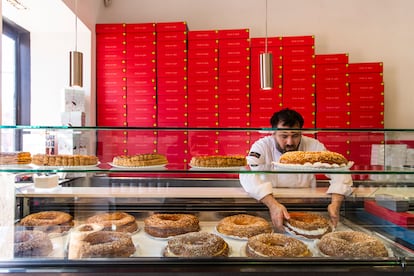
pixel 266 65
pixel 76 59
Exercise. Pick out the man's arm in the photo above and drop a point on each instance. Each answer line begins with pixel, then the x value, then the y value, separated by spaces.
pixel 278 212
pixel 334 208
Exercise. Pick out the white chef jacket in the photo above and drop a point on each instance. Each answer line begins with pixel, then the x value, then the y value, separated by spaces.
pixel 265 152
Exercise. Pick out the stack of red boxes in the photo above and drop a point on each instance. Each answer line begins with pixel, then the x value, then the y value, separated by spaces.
pixel 299 76
pixel 203 91
pixel 141 86
pixel 172 90
pixel 172 74
pixel 333 100
pixel 263 103
pixel 367 108
pixel 111 89
pixel 234 90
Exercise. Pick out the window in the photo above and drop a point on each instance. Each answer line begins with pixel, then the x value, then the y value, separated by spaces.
pixel 15 83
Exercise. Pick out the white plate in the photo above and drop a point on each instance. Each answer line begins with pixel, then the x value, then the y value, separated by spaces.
pixel 319 166
pixel 154 167
pixel 16 166
pixel 235 168
pixel 64 167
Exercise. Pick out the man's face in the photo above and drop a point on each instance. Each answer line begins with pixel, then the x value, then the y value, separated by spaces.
pixel 288 140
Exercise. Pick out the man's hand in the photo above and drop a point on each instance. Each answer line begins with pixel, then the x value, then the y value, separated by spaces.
pixel 334 208
pixel 278 212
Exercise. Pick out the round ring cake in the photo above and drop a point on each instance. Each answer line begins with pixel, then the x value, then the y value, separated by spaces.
pixel 196 244
pixel 140 160
pixel 32 243
pixel 276 245
pixel 351 244
pixel 115 221
pixel 243 226
pixel 167 225
pixel 309 225
pixel 77 235
pixel 313 158
pixel 107 244
pixel 48 221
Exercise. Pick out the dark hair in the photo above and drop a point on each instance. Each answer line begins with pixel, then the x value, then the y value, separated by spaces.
pixel 288 117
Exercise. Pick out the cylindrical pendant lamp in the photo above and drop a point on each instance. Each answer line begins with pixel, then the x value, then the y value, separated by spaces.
pixel 76 69
pixel 266 71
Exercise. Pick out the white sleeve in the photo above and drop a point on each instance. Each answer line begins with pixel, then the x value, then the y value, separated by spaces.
pixel 340 184
pixel 256 185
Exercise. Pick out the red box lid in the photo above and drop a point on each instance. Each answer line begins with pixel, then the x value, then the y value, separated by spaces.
pixel 172 45
pixel 171 26
pixel 234 33
pixel 234 43
pixel 194 80
pixel 142 99
pixel 203 89
pixel 149 109
pixel 203 34
pixel 202 44
pixel 298 59
pixel 298 40
pixel 367 87
pixel 334 68
pixel 299 69
pixel 332 58
pixel 140 27
pixel 141 47
pixel 202 53
pixel 299 50
pixel 332 78
pixel 141 37
pixel 260 42
pixel 366 77
pixel 234 52
pixel 110 28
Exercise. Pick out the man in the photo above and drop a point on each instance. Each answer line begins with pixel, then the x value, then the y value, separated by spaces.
pixel 269 149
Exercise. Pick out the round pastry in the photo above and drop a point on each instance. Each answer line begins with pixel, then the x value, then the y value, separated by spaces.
pixel 77 235
pixel 351 244
pixel 48 221
pixel 32 243
pixel 140 160
pixel 218 161
pixel 309 225
pixel 107 244
pixel 313 157
pixel 116 221
pixel 64 160
pixel 196 244
pixel 167 225
pixel 243 226
pixel 276 245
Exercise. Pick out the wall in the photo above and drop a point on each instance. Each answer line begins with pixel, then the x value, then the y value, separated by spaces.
pixel 369 30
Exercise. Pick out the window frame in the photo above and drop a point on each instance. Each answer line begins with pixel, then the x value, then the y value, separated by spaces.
pixel 23 76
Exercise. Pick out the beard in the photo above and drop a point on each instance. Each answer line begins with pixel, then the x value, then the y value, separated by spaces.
pixel 287 148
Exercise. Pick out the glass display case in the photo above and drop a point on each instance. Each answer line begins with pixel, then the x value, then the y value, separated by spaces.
pixel 380 204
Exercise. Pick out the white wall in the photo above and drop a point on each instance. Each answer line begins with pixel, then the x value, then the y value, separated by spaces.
pixel 369 30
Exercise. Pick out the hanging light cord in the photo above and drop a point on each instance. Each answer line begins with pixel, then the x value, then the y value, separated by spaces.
pixel 76 25
pixel 266 29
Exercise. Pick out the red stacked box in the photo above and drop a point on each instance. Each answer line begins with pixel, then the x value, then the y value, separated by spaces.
pixel 367 109
pixel 203 90
pixel 172 74
pixel 234 78
pixel 233 142
pixel 174 145
pixel 263 103
pixel 367 95
pixel 141 76
pixel 299 76
pixel 333 102
pixel 111 89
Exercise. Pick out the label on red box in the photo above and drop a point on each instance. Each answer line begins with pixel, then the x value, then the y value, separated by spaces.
pixel 141 37
pixel 164 56
pixel 111 108
pixel 233 33
pixel 170 72
pixel 203 108
pixel 299 50
pixel 172 45
pixel 299 69
pixel 203 35
pixel 298 59
pixel 204 71
pixel 240 71
pixel 171 26
pixel 308 89
pixel 332 88
pixel 141 47
pixel 104 55
pixel 149 74
pixel 141 56
pixel 226 108
pixel 203 89
pixel 370 97
pixel 202 53
pixel 333 106
pixel 142 99
pixel 302 97
pixel 367 119
pixel 366 77
pixel 332 78
pixel 140 27
pixel 260 42
pixel 366 67
pixel 194 99
pixel 110 28
pixel 234 52
pixel 163 36
pixel 118 73
pixel 138 108
pixel 332 58
pixel 164 83
pixel 233 80
pixel 335 68
pixel 141 82
pixel 193 64
pixel 194 80
pixel 234 120
pixel 205 119
pixel 368 87
pixel 141 90
pixel 202 44
pixel 137 64
pixel 368 106
pixel 112 82
pixel 298 40
pixel 119 38
pixel 180 99
pixel 233 99
pixel 321 122
pixel 234 43
pixel 111 64
pixel 235 61
pixel 235 90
